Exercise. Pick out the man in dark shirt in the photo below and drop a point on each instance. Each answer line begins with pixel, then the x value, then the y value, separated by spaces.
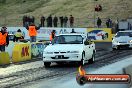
pixel 55 21
pixel 71 19
pixel 61 21
pixel 65 21
pixel 42 20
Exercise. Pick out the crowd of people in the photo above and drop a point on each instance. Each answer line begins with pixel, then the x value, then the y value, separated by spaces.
pixel 50 21
pixel 108 23
pixel 27 20
pixel 62 21
pixel 32 30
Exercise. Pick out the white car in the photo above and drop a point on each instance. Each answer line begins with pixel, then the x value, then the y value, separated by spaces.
pixel 122 39
pixel 71 47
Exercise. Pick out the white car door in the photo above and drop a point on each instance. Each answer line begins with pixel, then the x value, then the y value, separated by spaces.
pixel 87 49
pixel 92 48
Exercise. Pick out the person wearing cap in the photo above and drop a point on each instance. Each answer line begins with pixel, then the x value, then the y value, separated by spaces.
pixel 52 35
pixel 4 39
pixel 18 35
pixel 71 20
pixel 73 31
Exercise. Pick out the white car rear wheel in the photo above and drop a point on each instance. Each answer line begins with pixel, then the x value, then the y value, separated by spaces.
pixel 92 59
pixel 113 48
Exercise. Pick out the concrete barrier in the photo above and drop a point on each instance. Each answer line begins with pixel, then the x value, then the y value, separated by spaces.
pixel 128 70
pixel 10 47
pixel 100 34
pixel 4 58
pixel 21 52
pixel 37 50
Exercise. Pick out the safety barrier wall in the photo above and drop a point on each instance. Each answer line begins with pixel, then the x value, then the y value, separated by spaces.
pixel 37 50
pixel 44 32
pixel 96 34
pixel 100 34
pixel 4 58
pixel 21 52
pixel 10 47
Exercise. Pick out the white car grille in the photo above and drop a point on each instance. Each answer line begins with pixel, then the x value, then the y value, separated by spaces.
pixel 122 42
pixel 60 57
pixel 58 52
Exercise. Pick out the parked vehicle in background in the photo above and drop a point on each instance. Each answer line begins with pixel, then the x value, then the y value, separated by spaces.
pixel 11 37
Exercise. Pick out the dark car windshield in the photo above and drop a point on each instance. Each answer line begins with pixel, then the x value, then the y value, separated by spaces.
pixel 11 37
pixel 124 34
pixel 68 39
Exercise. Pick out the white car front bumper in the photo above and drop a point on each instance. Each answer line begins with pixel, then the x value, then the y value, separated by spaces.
pixel 67 57
pixel 115 45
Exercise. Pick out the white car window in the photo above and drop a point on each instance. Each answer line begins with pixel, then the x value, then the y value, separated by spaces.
pixel 124 34
pixel 68 39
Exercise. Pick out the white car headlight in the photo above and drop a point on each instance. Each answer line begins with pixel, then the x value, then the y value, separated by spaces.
pixel 48 52
pixel 72 51
pixel 130 41
pixel 115 41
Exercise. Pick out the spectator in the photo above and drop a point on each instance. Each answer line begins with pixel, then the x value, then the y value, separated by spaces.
pixel 55 21
pixel 29 20
pixel 4 39
pixel 65 21
pixel 71 19
pixel 73 31
pixel 49 21
pixel 52 35
pixel 98 8
pixel 109 23
pixel 42 20
pixel 32 29
pixel 61 21
pixel 24 21
pixel 116 25
pixel 32 19
pixel 99 22
pixel 18 35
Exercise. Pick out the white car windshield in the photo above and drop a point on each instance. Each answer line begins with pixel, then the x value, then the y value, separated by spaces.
pixel 124 34
pixel 68 39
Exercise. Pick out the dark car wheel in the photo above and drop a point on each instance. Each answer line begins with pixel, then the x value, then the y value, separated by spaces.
pixel 47 64
pixel 82 62
pixel 92 59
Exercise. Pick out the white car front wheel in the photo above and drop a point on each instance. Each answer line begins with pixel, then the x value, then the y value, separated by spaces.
pixel 82 62
pixel 47 64
pixel 92 59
